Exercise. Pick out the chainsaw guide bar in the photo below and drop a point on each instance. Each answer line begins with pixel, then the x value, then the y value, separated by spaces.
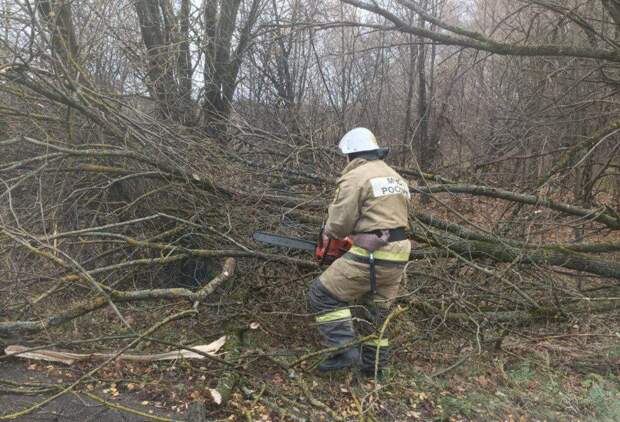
pixel 284 241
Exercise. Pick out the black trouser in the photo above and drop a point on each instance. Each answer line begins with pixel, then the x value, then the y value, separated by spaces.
pixel 375 314
pixel 335 324
pixel 333 316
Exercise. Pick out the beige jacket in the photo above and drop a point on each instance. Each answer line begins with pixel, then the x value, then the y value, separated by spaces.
pixel 370 196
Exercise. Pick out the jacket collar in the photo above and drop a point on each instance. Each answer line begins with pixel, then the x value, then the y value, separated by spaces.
pixel 357 162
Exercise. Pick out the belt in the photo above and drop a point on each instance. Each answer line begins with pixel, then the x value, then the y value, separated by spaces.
pixel 379 257
pixel 396 235
pixel 381 262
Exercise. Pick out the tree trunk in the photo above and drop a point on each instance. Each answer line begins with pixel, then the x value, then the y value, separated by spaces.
pixel 222 63
pixel 425 144
pixel 160 81
pixel 184 63
pixel 58 18
pixel 408 129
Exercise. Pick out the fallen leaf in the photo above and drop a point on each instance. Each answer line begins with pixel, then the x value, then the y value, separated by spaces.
pixel 216 396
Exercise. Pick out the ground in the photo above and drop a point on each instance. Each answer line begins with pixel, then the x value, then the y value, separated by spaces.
pixel 535 376
pixel 68 408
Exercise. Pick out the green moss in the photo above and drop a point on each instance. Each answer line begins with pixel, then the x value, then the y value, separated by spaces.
pixel 601 398
pixel 522 375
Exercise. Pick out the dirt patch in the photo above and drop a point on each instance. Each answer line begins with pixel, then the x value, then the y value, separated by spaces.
pixel 70 407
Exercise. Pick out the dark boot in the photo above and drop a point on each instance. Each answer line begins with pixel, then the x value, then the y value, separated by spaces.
pixel 369 358
pixel 347 359
pixel 337 330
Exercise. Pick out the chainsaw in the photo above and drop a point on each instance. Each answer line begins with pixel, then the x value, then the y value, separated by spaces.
pixel 324 252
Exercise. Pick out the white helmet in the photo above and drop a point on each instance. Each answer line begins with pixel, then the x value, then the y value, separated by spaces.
pixel 359 139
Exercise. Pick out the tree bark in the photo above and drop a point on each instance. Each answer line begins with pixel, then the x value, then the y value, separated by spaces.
pixel 222 63
pixel 425 151
pixel 613 7
pixel 474 249
pixel 160 81
pixel 58 17
pixel 184 61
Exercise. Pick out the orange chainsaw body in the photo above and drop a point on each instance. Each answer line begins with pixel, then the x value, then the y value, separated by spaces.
pixel 332 250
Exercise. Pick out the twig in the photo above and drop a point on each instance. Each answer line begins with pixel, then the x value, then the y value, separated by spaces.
pixel 317 403
pixel 127 409
pixel 396 312
pixel 451 367
pixel 148 332
pixel 284 413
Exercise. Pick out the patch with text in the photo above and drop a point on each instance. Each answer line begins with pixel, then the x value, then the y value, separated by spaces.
pixel 382 186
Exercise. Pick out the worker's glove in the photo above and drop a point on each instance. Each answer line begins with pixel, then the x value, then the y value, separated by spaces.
pixel 324 238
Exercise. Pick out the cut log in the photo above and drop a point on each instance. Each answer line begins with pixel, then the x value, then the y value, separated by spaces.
pixel 70 358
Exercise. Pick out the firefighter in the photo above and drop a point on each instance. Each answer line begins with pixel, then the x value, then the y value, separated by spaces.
pixel 371 206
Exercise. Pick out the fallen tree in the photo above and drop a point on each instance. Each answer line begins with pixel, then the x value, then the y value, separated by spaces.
pixel 79 309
